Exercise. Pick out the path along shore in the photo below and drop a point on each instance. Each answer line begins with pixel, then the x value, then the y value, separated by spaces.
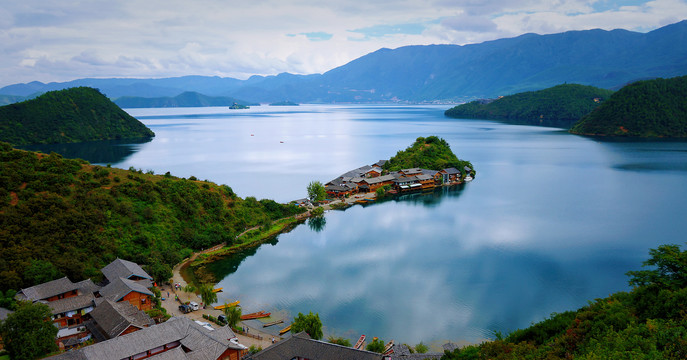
pixel 172 305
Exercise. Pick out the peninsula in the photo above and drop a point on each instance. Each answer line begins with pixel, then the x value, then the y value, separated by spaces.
pixel 649 108
pixel 68 116
pixel 558 106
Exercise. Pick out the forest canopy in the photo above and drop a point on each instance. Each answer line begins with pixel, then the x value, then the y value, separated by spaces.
pixel 650 108
pixel 68 116
pixel 559 106
pixel 66 217
pixel 432 153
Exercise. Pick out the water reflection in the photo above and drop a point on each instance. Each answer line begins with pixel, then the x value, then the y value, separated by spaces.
pixel 95 152
pixel 317 223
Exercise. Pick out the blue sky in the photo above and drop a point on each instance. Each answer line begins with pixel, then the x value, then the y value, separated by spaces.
pixel 65 40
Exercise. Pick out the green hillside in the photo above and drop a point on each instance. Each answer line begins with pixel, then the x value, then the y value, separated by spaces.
pixel 650 108
pixel 559 106
pixel 185 99
pixel 65 217
pixel 432 153
pixel 648 322
pixel 68 116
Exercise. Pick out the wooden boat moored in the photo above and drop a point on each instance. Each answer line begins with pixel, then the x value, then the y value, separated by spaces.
pixel 273 323
pixel 217 290
pixel 220 307
pixel 285 330
pixel 255 315
pixel 360 342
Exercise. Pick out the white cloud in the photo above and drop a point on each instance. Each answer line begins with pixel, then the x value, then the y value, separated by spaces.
pixel 67 40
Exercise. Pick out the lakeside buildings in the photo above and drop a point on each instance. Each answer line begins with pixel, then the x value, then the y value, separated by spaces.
pixel 369 178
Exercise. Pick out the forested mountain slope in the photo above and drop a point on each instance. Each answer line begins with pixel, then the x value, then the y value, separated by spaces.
pixel 68 116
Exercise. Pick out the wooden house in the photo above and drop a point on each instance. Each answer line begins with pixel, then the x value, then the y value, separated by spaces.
pixel 410 172
pixel 135 293
pixel 120 268
pixel 450 175
pixel 372 184
pixel 112 319
pixel 301 346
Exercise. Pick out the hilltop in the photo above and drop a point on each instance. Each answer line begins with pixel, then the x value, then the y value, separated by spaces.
pixel 431 152
pixel 452 73
pixel 66 217
pixel 650 108
pixel 559 106
pixel 68 116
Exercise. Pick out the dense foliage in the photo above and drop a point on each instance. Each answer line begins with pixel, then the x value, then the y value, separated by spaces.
pixel 65 217
pixel 432 153
pixel 185 99
pixel 310 323
pixel 651 108
pixel 649 322
pixel 68 116
pixel 559 106
pixel 26 334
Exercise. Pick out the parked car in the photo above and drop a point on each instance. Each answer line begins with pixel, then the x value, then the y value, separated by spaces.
pixel 194 305
pixel 185 308
pixel 222 319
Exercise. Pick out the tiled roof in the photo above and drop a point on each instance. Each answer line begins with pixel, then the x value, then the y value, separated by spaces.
pixel 118 288
pixel 411 171
pixel 302 346
pixel 73 303
pixel 401 352
pixel 452 171
pixel 124 269
pixel 379 179
pixel 47 290
pixel 201 343
pixel 87 286
pixel 115 317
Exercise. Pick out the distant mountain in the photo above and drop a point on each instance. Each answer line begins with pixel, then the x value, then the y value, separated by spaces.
pixel 66 116
pixel 606 59
pixel 185 99
pixel 559 106
pixel 650 108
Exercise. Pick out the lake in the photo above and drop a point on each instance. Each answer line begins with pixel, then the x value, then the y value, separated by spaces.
pixel 551 220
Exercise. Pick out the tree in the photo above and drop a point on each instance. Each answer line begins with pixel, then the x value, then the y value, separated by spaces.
pixel 233 314
pixel 310 323
pixel 28 333
pixel 377 345
pixel 421 348
pixel 339 341
pixel 670 269
pixel 316 191
pixel 206 293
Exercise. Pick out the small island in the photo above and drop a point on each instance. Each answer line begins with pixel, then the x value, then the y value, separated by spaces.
pixel 185 99
pixel 68 116
pixel 425 165
pixel 236 106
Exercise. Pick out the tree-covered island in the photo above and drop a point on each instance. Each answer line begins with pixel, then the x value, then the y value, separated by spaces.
pixel 68 116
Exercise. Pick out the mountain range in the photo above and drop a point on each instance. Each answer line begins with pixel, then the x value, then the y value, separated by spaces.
pixel 606 59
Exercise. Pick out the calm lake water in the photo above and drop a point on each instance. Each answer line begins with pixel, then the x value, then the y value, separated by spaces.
pixel 551 220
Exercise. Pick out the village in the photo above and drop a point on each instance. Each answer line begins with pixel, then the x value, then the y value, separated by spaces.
pixel 368 179
pixel 110 320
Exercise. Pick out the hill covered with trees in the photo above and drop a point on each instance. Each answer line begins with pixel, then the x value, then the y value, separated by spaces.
pixel 559 106
pixel 185 99
pixel 68 116
pixel 646 323
pixel 650 108
pixel 66 217
pixel 431 152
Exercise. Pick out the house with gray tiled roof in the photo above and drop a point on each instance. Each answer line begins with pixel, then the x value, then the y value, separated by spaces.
pixel 301 346
pixel 49 291
pixel 402 352
pixel 112 319
pixel 178 338
pixel 121 289
pixel 120 268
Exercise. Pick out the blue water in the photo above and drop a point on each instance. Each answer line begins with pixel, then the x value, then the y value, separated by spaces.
pixel 551 220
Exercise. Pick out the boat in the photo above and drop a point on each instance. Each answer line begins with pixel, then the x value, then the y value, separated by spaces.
pixel 285 330
pixel 387 348
pixel 217 290
pixel 255 315
pixel 220 307
pixel 360 342
pixel 273 323
pixel 468 178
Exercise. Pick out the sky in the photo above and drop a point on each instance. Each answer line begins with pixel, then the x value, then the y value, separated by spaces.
pixel 70 39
